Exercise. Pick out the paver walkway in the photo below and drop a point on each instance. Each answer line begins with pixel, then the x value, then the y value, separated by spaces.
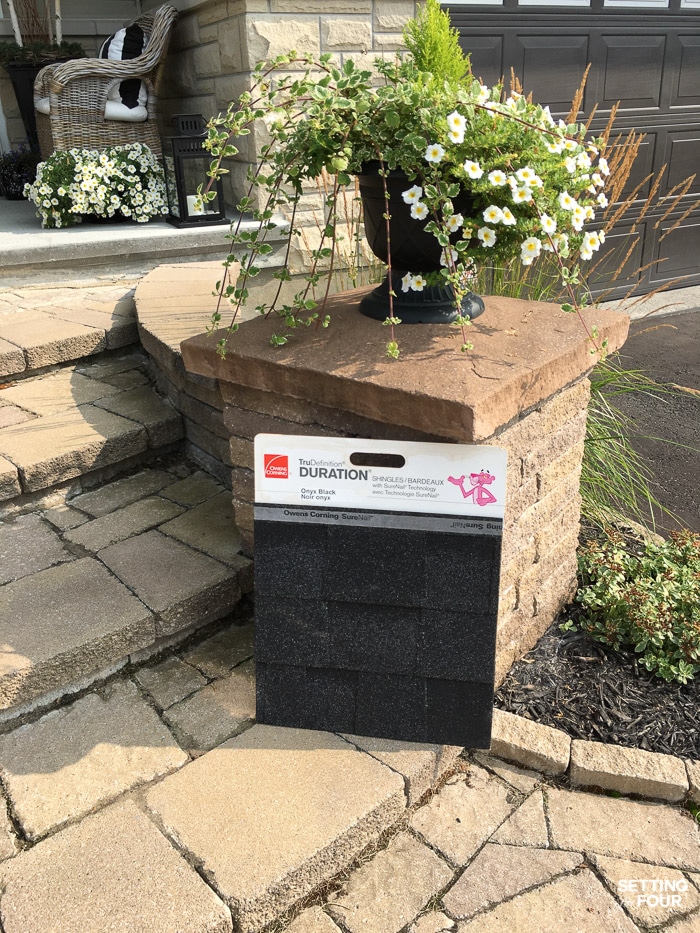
pixel 138 795
pixel 155 801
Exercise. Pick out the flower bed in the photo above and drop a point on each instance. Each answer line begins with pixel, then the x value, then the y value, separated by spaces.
pixel 70 184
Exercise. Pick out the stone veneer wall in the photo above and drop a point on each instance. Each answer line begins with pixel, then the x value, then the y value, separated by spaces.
pixel 216 45
pixel 524 388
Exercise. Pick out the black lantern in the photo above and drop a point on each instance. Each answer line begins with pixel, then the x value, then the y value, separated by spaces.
pixel 186 165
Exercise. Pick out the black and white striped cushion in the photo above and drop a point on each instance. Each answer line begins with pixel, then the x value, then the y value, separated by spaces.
pixel 123 45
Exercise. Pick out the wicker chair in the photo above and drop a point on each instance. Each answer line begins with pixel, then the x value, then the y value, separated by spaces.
pixel 77 92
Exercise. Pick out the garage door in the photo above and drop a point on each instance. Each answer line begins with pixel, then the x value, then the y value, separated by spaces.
pixel 646 55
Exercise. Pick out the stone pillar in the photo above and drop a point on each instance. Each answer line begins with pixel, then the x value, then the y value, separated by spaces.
pixel 523 387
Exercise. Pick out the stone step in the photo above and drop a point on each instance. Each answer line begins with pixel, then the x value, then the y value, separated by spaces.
pixel 111 576
pixel 44 326
pixel 78 419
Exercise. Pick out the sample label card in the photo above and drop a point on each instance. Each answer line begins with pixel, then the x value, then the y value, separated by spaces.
pixel 444 479
pixel 377 569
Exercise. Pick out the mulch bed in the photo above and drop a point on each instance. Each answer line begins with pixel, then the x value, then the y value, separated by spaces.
pixel 592 692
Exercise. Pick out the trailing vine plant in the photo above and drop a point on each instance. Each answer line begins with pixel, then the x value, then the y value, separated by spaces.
pixel 536 184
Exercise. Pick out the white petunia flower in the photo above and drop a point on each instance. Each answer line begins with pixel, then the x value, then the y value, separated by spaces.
pixel 583 160
pixel 486 235
pixel 507 217
pixel 585 253
pixel 549 224
pixel 434 153
pixel 484 94
pixel 418 283
pixel 570 145
pixel 412 194
pixel 456 122
pixel 406 282
pixel 525 175
pixel 419 211
pixel 473 169
pixel 449 256
pixel 570 164
pixel 603 166
pixel 497 178
pixel 578 218
pixel 555 146
pixel 493 215
pixel 566 201
pixel 521 195
pixel 530 249
pixel 454 222
pixel 589 212
pixel 597 179
pixel 456 136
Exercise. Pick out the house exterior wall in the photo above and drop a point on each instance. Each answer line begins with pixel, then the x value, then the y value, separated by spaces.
pixel 216 45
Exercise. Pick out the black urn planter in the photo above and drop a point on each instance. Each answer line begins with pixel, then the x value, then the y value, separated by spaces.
pixel 23 75
pixel 412 250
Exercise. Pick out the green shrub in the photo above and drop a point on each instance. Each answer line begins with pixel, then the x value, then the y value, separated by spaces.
pixel 648 601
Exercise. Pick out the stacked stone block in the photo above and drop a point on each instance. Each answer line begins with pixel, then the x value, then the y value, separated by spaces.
pixel 216 47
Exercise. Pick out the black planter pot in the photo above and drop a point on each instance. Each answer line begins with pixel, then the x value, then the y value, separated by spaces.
pixel 22 76
pixel 412 250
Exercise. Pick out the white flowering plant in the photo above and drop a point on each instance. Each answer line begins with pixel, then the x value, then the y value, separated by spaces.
pixel 491 174
pixel 74 183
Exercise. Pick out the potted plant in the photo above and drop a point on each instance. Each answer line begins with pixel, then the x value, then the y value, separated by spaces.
pixel 483 175
pixel 33 48
pixel 122 182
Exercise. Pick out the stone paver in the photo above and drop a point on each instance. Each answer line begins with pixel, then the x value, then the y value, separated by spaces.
pixel 8 840
pixel 193 490
pixel 217 655
pixel 10 414
pixel 11 359
pixel 693 769
pixel 119 328
pixel 56 392
pixel 313 920
pixel 433 922
pixel 628 770
pixel 170 681
pixel 62 623
pixel 421 765
pixel 317 797
pixel 500 872
pixel 652 894
pixel 215 712
pixel 70 443
pixel 141 404
pixel 575 902
pixel 522 779
pixel 46 339
pixel 64 517
pixel 210 528
pixel 463 815
pixel 71 760
pixel 27 545
pixel 178 583
pixel 529 743
pixel 389 891
pixel 128 379
pixel 9 480
pixel 121 492
pixel 688 924
pixel 114 871
pixel 636 830
pixel 527 826
pixel 116 526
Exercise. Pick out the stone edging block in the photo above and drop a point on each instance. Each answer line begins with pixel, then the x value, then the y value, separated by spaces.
pixel 628 770
pixel 594 764
pixel 529 743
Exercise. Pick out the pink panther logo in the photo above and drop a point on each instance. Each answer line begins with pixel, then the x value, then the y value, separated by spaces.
pixel 481 495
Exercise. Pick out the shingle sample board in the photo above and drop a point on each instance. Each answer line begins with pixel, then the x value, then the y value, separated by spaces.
pixel 376 586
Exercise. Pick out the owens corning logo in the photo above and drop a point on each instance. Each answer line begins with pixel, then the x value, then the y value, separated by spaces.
pixel 276 466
